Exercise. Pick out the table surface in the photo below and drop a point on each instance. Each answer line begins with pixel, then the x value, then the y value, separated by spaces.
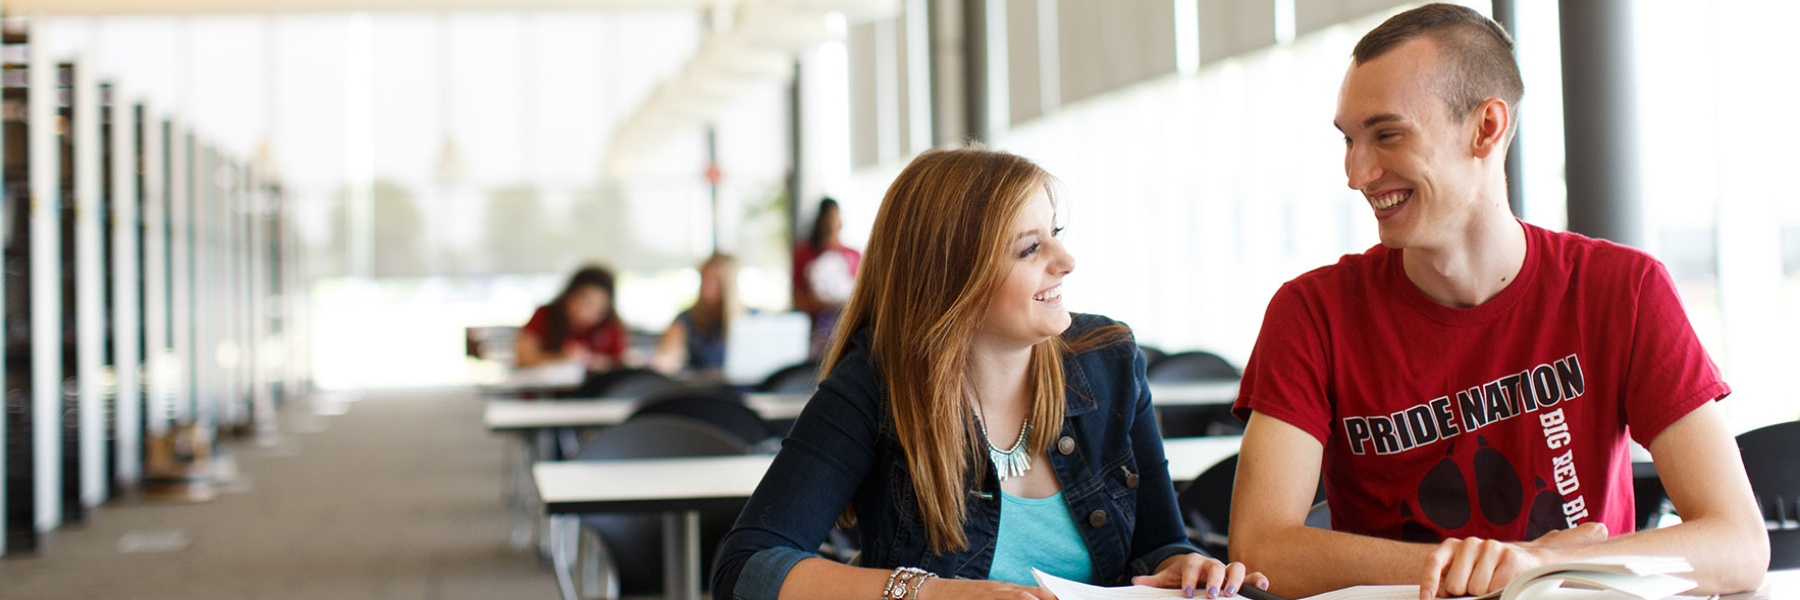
pixel 513 415
pixel 668 484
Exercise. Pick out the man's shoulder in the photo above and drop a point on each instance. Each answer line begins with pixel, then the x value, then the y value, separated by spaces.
pixel 1355 269
pixel 1575 248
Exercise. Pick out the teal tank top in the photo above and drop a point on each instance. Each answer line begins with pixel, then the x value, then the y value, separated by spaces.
pixel 1039 532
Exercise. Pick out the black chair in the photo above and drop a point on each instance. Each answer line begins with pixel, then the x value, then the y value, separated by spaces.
pixel 1768 459
pixel 1195 366
pixel 1151 354
pixel 802 378
pixel 1205 505
pixel 1191 366
pixel 627 383
pixel 719 407
pixel 633 543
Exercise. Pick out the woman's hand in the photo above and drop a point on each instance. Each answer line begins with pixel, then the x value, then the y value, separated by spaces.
pixel 1187 572
pixel 938 588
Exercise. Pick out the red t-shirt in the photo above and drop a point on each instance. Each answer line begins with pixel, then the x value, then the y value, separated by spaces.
pixel 1525 399
pixel 608 338
pixel 805 254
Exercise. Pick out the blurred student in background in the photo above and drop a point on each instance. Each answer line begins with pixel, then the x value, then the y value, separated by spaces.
pixel 578 326
pixel 695 342
pixel 824 273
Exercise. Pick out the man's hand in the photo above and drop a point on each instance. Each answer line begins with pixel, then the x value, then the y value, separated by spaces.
pixel 1474 566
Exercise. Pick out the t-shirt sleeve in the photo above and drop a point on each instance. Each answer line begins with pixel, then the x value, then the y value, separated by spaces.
pixel 613 343
pixel 1287 372
pixel 1670 373
pixel 539 321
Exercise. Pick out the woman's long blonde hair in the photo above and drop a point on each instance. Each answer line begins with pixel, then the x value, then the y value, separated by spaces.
pixel 717 315
pixel 938 250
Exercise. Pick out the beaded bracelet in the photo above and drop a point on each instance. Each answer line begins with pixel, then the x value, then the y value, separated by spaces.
pixel 918 582
pixel 896 588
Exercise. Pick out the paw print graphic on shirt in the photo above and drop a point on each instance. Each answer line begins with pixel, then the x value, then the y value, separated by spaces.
pixel 1447 500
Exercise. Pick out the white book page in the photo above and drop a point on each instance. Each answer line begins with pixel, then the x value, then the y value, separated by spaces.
pixel 1075 590
pixel 1370 592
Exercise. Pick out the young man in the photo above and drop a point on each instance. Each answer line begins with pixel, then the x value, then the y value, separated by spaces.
pixel 1467 386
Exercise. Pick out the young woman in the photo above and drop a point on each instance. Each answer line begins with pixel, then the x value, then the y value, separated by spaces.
pixel 695 342
pixel 970 426
pixel 578 325
pixel 824 273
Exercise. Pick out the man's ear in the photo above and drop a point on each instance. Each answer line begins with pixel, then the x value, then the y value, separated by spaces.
pixel 1492 119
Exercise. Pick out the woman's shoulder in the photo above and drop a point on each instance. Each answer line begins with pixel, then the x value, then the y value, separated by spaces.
pixel 539 320
pixel 1091 332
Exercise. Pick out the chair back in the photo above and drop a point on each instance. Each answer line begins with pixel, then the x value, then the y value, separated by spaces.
pixel 635 541
pixel 1768 460
pixel 718 407
pixel 1205 505
pixel 627 383
pixel 1193 367
pixel 1189 367
pixel 1151 354
pixel 802 378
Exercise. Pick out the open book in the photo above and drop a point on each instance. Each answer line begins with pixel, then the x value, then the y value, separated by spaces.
pixel 1603 578
pixel 1075 590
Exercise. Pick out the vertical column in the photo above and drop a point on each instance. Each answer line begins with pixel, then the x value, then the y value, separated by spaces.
pixel 126 120
pixel 1600 121
pixel 1507 15
pixel 262 402
pixel 200 352
pixel 159 389
pixel 181 333
pixel 948 65
pixel 90 318
pixel 46 281
pixel 976 68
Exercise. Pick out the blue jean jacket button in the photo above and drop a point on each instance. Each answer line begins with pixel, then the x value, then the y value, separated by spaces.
pixel 1097 518
pixel 1066 445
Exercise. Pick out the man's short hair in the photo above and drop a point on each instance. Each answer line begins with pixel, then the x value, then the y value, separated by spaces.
pixel 1478 54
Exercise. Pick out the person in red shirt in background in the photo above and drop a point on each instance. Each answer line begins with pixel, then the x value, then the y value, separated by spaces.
pixel 578 326
pixel 824 272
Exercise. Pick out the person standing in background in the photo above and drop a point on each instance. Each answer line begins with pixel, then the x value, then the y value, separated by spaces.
pixel 824 273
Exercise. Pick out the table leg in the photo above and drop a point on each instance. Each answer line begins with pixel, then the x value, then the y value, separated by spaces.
pixel 562 528
pixel 542 448
pixel 681 555
pixel 518 490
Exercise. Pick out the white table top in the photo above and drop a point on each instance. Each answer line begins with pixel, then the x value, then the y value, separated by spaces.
pixel 516 415
pixel 649 484
pixel 1207 393
pixel 663 484
pixel 1189 456
pixel 512 415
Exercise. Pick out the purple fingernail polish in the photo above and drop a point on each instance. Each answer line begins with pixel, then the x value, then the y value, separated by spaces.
pixel 1231 591
pixel 1212 592
pixel 1263 585
pixel 1188 591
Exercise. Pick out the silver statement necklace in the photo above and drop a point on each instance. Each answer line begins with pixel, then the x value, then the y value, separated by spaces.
pixel 1009 463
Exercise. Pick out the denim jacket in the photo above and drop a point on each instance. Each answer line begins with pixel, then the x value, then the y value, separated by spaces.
pixel 843 450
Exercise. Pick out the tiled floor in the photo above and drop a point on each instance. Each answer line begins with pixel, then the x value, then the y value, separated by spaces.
pixel 398 497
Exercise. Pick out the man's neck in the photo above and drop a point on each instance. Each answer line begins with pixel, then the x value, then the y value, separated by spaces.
pixel 1484 258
